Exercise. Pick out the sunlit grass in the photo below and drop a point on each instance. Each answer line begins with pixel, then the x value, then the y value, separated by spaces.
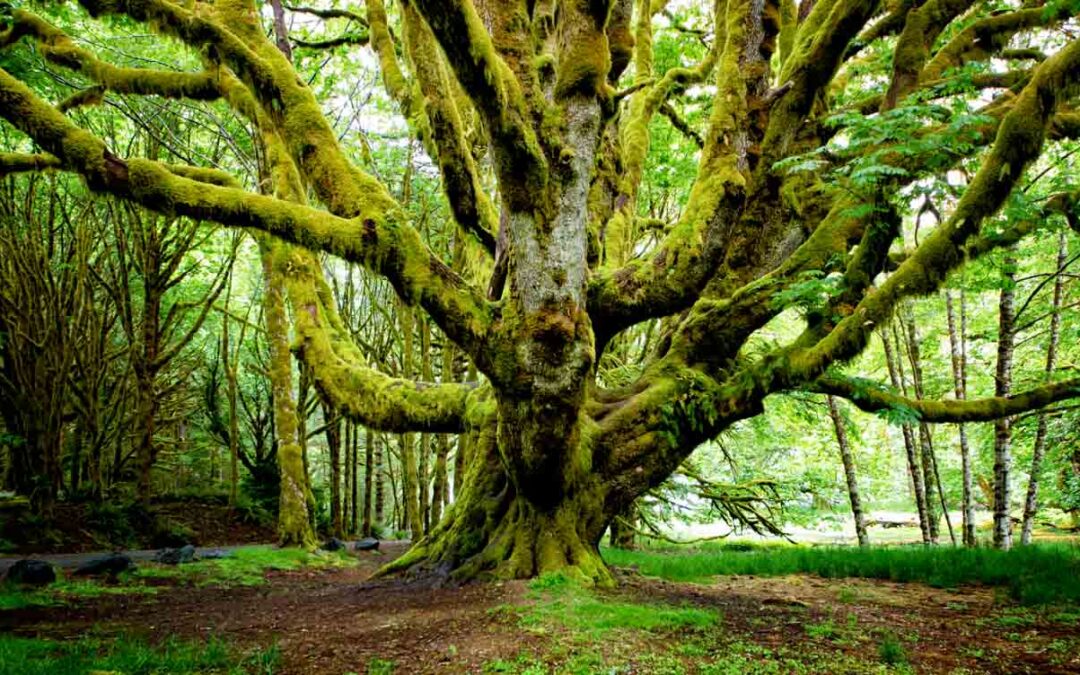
pixel 33 656
pixel 246 566
pixel 1039 574
pixel 559 600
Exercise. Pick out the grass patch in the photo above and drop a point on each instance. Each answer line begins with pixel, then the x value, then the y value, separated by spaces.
pixel 246 566
pixel 891 651
pixel 1039 574
pixel 32 656
pixel 63 591
pixel 559 600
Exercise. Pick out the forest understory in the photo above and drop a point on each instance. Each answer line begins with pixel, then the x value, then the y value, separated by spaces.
pixel 328 616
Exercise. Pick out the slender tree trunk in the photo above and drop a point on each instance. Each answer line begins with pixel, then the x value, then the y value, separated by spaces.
pixel 896 377
pixel 926 439
pixel 1031 500
pixel 354 469
pixel 146 381
pixel 369 468
pixel 294 522
pixel 1003 427
pixel 849 471
pixel 76 460
pixel 423 478
pixel 347 465
pixel 380 478
pixel 333 444
pixel 410 494
pixel 958 354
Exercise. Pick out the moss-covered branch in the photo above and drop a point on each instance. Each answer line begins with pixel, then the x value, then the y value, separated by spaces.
pixel 394 251
pixel 469 203
pixel 17 162
pixel 921 29
pixel 1019 141
pixel 392 246
pixel 58 48
pixel 988 36
pixel 364 394
pixel 497 94
pixel 871 398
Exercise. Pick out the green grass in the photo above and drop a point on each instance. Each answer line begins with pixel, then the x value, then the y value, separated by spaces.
pixel 32 656
pixel 246 566
pixel 1040 574
pixel 560 600
pixel 63 591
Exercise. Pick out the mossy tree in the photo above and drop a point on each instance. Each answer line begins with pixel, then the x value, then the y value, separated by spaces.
pixel 553 454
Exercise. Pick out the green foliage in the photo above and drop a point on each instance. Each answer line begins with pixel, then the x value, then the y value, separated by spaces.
pixel 1037 574
pixel 131 656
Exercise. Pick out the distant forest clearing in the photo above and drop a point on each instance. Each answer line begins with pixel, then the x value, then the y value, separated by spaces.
pixel 529 336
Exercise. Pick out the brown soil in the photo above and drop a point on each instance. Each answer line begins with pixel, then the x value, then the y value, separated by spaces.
pixel 336 621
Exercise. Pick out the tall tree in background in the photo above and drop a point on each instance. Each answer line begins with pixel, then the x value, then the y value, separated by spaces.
pixel 891 345
pixel 848 462
pixel 554 455
pixel 1002 385
pixel 958 360
pixel 1038 451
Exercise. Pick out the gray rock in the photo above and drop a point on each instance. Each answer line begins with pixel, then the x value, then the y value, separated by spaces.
pixel 112 564
pixel 31 573
pixel 176 556
pixel 367 544
pixel 214 554
pixel 334 544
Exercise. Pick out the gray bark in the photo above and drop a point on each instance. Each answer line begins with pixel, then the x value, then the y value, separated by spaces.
pixel 1031 501
pixel 849 471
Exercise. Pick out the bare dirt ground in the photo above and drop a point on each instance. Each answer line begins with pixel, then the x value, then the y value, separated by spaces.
pixel 337 621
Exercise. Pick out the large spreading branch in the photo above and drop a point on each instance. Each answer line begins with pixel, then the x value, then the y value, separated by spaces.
pixel 394 246
pixel 871 398
pixel 397 253
pixel 1019 141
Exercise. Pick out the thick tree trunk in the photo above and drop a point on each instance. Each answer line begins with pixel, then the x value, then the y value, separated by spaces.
pixel 849 471
pixel 959 357
pixel 493 530
pixel 895 376
pixel 1003 427
pixel 1031 500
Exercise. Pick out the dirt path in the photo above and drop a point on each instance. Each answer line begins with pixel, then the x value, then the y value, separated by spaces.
pixel 337 621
